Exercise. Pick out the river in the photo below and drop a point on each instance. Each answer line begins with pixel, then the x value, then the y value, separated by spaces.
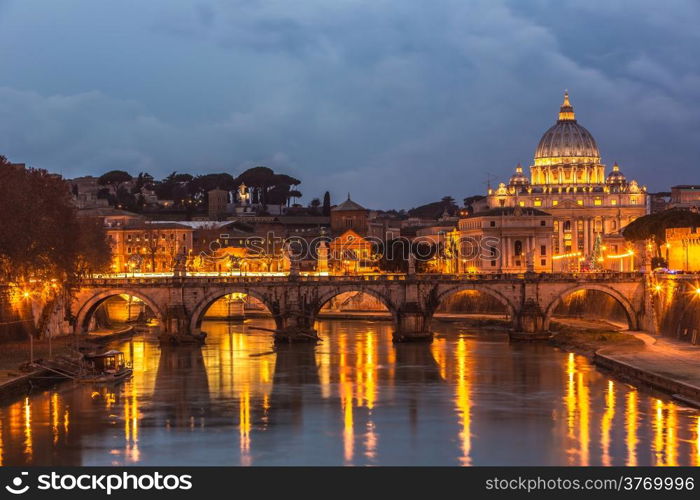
pixel 469 398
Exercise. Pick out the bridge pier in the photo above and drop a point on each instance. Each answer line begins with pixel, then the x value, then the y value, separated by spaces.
pixel 412 324
pixel 295 327
pixel 530 322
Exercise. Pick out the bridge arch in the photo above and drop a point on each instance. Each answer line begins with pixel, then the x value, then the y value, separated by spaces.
pixel 624 302
pixel 88 308
pixel 206 302
pixel 324 297
pixel 442 295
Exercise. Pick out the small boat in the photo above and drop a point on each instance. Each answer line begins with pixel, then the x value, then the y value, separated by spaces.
pixel 105 367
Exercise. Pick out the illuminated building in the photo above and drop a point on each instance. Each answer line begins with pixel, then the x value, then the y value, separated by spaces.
pixel 349 215
pixel 683 248
pixel 685 196
pixel 507 239
pixel 568 181
pixel 152 247
pixel 350 251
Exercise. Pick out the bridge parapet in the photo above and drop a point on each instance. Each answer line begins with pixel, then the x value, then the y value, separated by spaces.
pixel 198 280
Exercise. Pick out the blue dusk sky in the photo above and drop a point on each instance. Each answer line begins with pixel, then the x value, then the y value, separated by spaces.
pixel 398 102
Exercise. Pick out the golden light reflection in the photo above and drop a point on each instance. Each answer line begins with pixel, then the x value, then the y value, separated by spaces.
pixel 28 444
pixel 244 426
pixel 606 424
pixel 348 423
pixel 631 426
pixel 439 351
pixel 54 410
pixel 464 400
pixel 659 432
pixel 695 460
pixel 584 417
pixel 240 368
pixel 370 370
pixel 671 436
pixel 131 424
pixel 2 448
pixel 570 396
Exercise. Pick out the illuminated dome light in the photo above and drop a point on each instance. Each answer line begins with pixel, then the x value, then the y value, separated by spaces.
pixel 566 141
pixel 518 179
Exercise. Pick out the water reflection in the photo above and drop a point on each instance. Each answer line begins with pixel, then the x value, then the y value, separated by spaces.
pixel 469 398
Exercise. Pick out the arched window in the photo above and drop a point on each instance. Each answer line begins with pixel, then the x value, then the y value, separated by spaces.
pixel 518 248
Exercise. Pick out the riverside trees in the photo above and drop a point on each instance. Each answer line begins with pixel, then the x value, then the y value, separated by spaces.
pixel 41 238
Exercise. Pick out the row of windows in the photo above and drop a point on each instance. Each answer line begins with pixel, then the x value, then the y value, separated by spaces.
pixel 598 202
pixel 146 237
pixel 543 262
pixel 518 249
pixel 492 223
pixel 130 250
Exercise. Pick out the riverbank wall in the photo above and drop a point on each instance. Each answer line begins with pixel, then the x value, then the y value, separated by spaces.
pixel 636 375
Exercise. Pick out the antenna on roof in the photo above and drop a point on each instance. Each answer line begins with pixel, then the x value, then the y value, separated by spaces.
pixel 489 178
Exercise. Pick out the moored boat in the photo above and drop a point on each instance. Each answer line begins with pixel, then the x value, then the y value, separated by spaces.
pixel 105 367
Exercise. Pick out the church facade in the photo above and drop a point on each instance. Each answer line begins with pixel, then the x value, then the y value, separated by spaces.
pixel 588 207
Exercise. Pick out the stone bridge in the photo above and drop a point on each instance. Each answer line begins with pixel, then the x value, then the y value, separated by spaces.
pixel 180 303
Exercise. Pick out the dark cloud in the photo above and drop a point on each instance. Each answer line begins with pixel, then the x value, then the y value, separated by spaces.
pixel 398 102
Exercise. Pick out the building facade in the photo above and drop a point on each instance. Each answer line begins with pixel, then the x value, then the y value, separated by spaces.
pixel 683 249
pixel 568 181
pixel 685 196
pixel 149 247
pixel 507 240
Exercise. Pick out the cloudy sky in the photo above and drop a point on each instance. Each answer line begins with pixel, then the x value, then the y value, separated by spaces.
pixel 398 102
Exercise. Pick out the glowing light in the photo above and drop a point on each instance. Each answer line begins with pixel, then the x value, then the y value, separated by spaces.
pixel 659 433
pixel 621 255
pixel 28 442
pixel 463 400
pixel 658 288
pixel 245 426
pixel 631 425
pixel 606 424
pixel 566 255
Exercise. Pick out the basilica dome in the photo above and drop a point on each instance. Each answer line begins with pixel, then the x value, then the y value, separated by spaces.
pixel 567 142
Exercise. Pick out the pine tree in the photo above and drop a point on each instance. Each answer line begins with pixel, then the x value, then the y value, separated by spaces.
pixel 326 204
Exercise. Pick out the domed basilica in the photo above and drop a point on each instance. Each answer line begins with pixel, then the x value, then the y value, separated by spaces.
pixel 567 213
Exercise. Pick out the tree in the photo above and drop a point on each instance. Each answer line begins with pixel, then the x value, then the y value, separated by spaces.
pixel 115 179
pixel 314 205
pixel 40 235
pixel 326 210
pixel 94 254
pixel 597 254
pixel 268 187
pixel 653 226
pixel 294 194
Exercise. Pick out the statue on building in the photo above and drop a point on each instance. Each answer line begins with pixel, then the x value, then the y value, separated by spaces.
pixel 243 195
pixel 291 261
pixel 180 267
pixel 530 260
